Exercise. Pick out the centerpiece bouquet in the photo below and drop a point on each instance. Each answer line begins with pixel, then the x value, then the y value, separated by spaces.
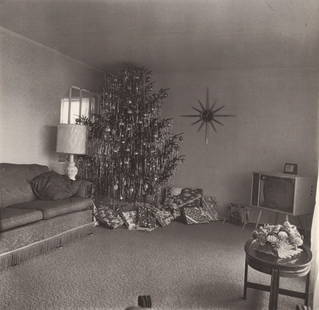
pixel 282 241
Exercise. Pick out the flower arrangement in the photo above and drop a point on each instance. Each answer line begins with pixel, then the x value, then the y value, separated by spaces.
pixel 282 241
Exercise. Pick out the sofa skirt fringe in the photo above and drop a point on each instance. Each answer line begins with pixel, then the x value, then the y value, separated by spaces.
pixel 16 257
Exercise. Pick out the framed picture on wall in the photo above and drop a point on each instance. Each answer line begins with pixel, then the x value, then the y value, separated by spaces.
pixel 291 168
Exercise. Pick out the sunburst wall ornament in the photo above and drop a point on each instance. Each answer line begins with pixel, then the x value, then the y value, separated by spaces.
pixel 208 115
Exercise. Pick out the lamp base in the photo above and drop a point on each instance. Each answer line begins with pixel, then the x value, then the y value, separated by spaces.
pixel 71 169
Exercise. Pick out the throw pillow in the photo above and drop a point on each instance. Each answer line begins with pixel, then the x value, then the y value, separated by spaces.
pixel 85 189
pixel 54 186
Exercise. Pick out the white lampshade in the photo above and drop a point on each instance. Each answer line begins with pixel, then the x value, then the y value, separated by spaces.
pixel 71 139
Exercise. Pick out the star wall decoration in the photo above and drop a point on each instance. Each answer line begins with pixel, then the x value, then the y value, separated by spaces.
pixel 207 115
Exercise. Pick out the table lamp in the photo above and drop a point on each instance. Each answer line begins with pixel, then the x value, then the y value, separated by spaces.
pixel 71 140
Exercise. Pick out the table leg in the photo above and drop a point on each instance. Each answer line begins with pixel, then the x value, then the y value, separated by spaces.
pixel 300 223
pixel 274 286
pixel 258 218
pixel 307 289
pixel 245 280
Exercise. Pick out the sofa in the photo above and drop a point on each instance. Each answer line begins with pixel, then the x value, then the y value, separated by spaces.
pixel 30 226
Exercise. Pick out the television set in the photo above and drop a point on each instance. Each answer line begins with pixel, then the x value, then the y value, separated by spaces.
pixel 283 193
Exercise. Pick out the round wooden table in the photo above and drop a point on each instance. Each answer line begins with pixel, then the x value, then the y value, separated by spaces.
pixel 296 266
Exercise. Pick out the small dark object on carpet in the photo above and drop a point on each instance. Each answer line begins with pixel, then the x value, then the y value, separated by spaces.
pixel 302 307
pixel 144 301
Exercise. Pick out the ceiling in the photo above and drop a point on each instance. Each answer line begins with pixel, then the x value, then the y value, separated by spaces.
pixel 172 35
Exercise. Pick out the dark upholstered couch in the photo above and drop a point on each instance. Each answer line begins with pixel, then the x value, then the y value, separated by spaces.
pixel 29 226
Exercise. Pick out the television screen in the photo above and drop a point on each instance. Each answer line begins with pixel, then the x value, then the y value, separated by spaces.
pixel 277 193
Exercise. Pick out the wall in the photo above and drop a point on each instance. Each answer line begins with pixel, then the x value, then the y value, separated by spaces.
pixel 276 119
pixel 33 79
pixel 276 110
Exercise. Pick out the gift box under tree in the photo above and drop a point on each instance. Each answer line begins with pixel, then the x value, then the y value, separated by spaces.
pixel 196 215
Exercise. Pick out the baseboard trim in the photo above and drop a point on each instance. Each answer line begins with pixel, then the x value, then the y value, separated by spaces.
pixel 17 256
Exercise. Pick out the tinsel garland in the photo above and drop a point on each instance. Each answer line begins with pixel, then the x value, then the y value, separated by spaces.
pixel 132 150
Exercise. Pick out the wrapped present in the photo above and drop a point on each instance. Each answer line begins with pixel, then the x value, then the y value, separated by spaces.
pixel 164 217
pixel 209 203
pixel 177 197
pixel 175 191
pixel 196 215
pixel 176 213
pixel 189 197
pixel 108 216
pixel 191 194
pixel 130 219
pixel 146 217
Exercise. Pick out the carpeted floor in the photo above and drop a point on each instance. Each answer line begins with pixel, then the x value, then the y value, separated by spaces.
pixel 180 266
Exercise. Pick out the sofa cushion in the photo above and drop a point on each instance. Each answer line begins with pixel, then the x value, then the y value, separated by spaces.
pixel 39 231
pixel 15 182
pixel 14 217
pixel 53 208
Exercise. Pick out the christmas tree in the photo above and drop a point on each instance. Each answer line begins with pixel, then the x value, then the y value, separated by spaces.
pixel 132 151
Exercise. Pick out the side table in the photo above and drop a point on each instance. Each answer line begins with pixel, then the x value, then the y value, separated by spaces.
pixel 296 266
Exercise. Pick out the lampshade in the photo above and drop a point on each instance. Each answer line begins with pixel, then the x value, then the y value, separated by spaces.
pixel 71 139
